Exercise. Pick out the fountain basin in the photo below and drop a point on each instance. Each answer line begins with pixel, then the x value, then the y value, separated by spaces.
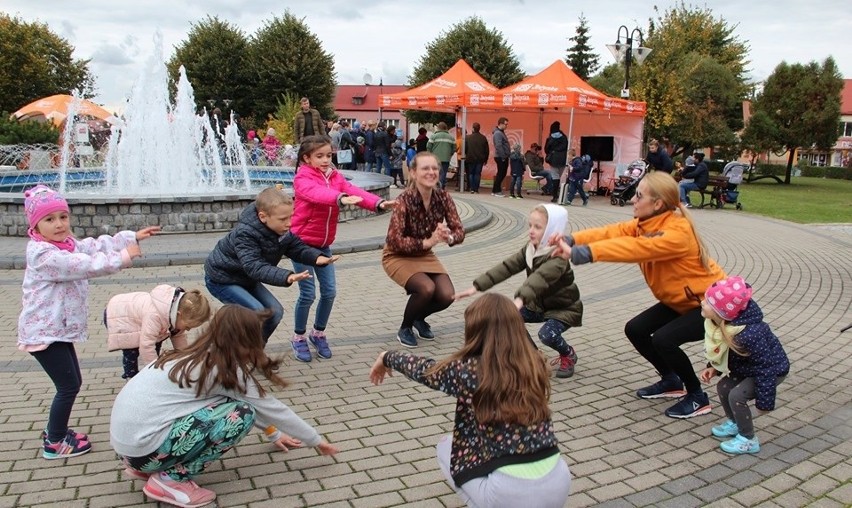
pixel 94 212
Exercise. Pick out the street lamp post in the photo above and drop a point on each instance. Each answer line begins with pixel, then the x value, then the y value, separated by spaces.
pixel 623 50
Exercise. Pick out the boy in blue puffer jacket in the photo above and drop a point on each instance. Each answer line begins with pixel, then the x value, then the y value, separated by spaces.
pixel 741 348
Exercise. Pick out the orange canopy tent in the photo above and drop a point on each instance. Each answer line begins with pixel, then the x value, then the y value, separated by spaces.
pixel 459 87
pixel 558 86
pixel 55 108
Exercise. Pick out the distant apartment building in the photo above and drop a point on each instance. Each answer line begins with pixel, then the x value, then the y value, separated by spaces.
pixel 361 103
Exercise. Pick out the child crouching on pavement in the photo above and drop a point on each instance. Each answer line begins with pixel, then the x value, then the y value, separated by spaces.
pixel 549 293
pixel 741 348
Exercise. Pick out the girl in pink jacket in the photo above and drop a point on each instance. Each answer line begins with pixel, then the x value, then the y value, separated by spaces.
pixel 320 192
pixel 139 322
pixel 55 303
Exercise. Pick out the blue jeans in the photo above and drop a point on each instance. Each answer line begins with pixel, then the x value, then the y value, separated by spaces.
pixel 517 184
pixel 685 187
pixel 383 164
pixel 307 294
pixel 575 186
pixel 445 166
pixel 256 297
pixel 474 175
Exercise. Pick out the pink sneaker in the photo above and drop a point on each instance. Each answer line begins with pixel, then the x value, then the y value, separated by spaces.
pixel 184 494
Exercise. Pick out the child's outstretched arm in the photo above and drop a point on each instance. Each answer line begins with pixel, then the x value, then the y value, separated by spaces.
pixel 297 250
pixel 51 264
pixel 464 294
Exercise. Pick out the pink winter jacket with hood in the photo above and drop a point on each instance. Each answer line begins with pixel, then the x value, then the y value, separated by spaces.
pixel 317 204
pixel 141 320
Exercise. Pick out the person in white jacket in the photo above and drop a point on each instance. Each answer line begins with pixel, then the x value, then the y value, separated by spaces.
pixel 54 306
pixel 139 322
pixel 182 412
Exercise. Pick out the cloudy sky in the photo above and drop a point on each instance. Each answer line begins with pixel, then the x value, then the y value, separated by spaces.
pixel 386 39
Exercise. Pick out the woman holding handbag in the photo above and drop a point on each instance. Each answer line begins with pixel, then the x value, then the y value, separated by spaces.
pixel 345 155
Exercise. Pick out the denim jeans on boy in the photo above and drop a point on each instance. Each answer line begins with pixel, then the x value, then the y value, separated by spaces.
pixel 685 187
pixel 517 184
pixel 383 164
pixel 575 186
pixel 255 298
pixel 324 275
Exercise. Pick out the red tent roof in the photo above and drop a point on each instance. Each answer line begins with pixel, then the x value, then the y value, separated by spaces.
pixel 558 86
pixel 459 86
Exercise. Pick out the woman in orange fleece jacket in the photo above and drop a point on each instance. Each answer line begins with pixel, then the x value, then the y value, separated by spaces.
pixel 662 239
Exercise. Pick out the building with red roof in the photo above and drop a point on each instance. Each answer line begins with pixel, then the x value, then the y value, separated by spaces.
pixel 361 103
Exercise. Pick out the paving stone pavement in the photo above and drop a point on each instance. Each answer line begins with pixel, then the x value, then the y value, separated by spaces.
pixel 621 450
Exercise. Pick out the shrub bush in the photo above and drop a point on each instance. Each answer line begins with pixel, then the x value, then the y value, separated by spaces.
pixel 13 132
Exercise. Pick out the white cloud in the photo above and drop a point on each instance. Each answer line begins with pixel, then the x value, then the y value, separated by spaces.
pixel 387 38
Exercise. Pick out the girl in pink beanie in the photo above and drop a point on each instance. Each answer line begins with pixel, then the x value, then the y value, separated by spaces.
pixel 742 349
pixel 55 303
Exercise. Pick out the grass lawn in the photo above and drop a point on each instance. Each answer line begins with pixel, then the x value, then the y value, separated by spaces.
pixel 805 200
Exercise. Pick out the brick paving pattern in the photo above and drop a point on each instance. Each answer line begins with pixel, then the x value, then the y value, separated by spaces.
pixel 621 450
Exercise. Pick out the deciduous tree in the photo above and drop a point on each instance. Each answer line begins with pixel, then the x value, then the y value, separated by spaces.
pixel 36 63
pixel 481 47
pixel 798 107
pixel 581 58
pixel 286 57
pixel 215 57
pixel 693 53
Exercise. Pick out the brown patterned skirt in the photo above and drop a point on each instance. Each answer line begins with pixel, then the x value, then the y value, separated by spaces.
pixel 400 267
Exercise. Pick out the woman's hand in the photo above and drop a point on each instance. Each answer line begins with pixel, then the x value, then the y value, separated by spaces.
pixel 325 260
pixel 351 200
pixel 707 375
pixel 562 250
pixel 147 232
pixel 387 204
pixel 285 443
pixel 440 235
pixel 378 371
pixel 464 294
pixel 296 277
pixel 519 303
pixel 327 449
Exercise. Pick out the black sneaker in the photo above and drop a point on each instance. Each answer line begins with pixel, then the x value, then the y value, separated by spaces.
pixel 694 404
pixel 406 337
pixel 666 388
pixel 424 330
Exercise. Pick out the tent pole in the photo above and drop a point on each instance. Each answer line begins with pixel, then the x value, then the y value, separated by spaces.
pixel 461 156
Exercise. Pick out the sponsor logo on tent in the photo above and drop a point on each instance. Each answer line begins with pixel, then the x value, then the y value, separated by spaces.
pixel 476 86
pixel 582 100
pixel 543 99
pixel 507 99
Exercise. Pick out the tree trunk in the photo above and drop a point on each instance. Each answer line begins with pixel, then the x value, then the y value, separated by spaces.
pixel 792 152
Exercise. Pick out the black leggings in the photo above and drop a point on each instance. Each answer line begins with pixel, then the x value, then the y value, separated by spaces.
pixel 657 334
pixel 59 360
pixel 429 293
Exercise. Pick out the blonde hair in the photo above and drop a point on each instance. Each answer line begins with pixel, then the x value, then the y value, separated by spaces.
pixel 663 186
pixel 413 167
pixel 194 309
pixel 270 198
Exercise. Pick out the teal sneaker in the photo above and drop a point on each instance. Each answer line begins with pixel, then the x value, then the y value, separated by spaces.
pixel 740 445
pixel 727 429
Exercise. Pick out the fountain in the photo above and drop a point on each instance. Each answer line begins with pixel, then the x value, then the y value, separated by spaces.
pixel 164 166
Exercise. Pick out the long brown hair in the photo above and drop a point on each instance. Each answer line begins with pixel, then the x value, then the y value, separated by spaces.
pixel 514 380
pixel 663 187
pixel 233 342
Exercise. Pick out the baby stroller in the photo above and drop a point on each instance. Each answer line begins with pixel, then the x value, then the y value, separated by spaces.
pixel 625 186
pixel 727 192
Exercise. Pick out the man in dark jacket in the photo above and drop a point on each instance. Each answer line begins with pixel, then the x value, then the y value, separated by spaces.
pixel 534 160
pixel 381 149
pixel 247 258
pixel 658 157
pixel 307 122
pixel 556 154
pixel 476 155
pixel 501 155
pixel 700 176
